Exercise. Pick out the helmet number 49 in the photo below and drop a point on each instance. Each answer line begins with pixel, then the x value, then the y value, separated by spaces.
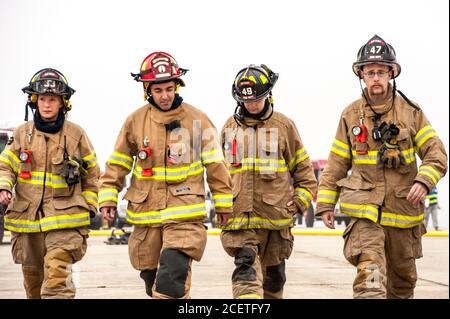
pixel 247 91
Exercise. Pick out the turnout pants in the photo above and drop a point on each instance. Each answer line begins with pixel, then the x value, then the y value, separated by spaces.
pixel 164 256
pixel 259 256
pixel 47 259
pixel 385 258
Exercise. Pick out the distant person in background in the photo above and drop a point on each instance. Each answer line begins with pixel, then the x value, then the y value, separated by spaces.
pixel 432 208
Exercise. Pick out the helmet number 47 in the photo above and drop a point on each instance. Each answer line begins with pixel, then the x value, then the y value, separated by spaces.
pixel 375 49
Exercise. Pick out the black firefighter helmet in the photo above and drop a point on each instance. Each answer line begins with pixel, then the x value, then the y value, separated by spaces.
pixel 376 50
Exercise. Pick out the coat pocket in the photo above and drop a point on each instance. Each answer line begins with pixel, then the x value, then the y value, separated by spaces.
pixel 135 195
pixel 268 162
pixel 399 204
pixel 355 190
pixel 18 206
pixel 73 205
pixel 406 146
pixel 59 187
pixel 178 163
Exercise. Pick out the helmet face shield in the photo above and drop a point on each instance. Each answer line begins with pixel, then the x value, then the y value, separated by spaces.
pixel 49 86
pixel 48 81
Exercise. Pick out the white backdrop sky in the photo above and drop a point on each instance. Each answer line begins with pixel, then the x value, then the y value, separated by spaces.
pixel 311 44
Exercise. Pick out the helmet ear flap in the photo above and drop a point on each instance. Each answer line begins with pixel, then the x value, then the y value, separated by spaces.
pixel 360 73
pixel 67 104
pixel 33 98
pixel 146 86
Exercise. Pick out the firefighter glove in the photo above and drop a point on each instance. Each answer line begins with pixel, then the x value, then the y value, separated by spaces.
pixel 390 155
pixel 72 170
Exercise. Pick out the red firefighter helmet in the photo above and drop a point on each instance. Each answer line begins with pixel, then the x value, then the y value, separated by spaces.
pixel 160 67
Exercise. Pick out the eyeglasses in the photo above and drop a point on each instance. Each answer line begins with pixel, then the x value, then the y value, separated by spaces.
pixel 49 86
pixel 371 74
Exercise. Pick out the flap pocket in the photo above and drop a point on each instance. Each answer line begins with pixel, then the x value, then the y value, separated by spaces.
pixel 58 157
pixel 83 231
pixel 269 148
pixel 177 153
pixel 402 191
pixel 272 199
pixel 349 227
pixel 180 190
pixel 135 195
pixel 140 233
pixel 355 183
pixel 18 206
pixel 403 134
pixel 75 201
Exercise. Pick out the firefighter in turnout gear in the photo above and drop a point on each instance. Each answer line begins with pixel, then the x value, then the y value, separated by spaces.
pixel 166 145
pixel 264 154
pixel 48 212
pixel 377 139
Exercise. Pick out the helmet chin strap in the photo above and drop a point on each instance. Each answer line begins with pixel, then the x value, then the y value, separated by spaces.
pixel 239 112
pixel 394 89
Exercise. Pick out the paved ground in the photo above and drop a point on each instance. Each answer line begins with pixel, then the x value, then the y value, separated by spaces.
pixel 316 269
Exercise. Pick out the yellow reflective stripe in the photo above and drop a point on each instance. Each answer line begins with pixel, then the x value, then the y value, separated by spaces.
pixel 223 200
pixel 304 196
pixel 409 155
pixel 6 181
pixel 257 222
pixel 424 135
pixel 11 159
pixel 121 159
pixel 90 197
pixel 259 164
pixel 370 158
pixel 429 196
pixel 340 148
pixel 107 195
pixel 51 180
pixel 170 174
pixel 360 211
pixel 22 225
pixel 91 160
pixel 400 221
pixel 249 296
pixel 47 223
pixel 65 221
pixel 175 212
pixel 430 172
pixel 327 196
pixel 213 156
pixel 299 156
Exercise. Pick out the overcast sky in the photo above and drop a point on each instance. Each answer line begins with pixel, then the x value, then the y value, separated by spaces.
pixel 311 44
